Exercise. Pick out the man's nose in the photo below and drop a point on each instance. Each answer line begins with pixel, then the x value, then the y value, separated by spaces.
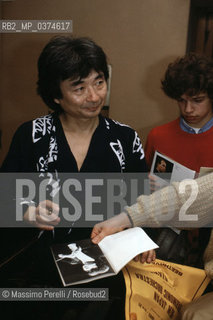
pixel 92 95
pixel 188 107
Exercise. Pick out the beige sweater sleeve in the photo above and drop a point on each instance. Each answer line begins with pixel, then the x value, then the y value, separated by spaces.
pixel 175 204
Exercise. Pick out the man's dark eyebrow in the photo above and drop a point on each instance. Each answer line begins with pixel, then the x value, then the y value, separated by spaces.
pixel 100 76
pixel 76 83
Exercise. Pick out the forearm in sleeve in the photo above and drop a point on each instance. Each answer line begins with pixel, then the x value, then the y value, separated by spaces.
pixel 163 206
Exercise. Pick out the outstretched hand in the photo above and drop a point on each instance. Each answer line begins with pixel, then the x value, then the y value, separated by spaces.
pixel 117 224
pixel 110 226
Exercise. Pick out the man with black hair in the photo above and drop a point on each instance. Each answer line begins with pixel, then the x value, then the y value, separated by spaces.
pixel 72 81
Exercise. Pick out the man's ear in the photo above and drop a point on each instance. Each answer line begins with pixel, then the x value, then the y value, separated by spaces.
pixel 56 101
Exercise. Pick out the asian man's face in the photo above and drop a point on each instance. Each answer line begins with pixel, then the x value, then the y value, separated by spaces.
pixel 83 98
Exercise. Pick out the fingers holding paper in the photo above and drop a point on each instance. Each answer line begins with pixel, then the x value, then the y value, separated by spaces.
pixel 148 256
pixel 110 226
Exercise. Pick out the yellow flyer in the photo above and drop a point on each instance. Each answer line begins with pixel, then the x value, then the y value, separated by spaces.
pixel 158 291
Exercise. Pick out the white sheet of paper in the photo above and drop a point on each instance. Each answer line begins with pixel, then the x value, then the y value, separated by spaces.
pixel 180 173
pixel 123 246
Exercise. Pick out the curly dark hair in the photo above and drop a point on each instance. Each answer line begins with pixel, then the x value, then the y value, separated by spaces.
pixel 67 57
pixel 190 74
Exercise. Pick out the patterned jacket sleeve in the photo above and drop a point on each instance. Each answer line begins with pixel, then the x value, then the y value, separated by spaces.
pixel 136 157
